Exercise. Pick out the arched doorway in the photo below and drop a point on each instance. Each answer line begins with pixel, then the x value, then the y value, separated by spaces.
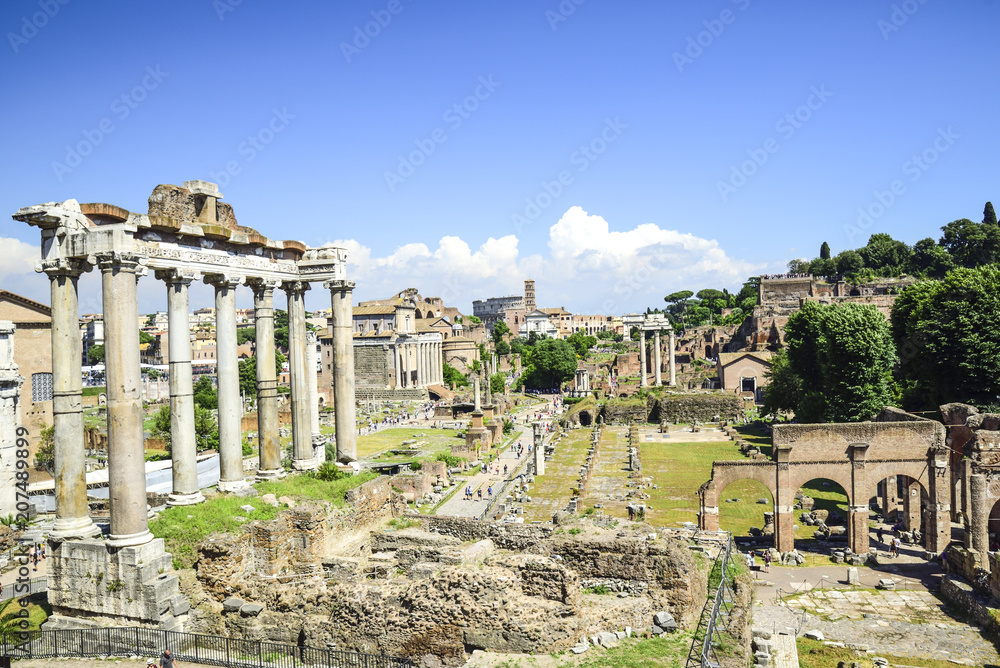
pixel 821 513
pixel 586 419
pixel 708 352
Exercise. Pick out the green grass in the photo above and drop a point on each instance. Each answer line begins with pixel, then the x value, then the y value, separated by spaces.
pixel 184 527
pixel 670 651
pixel 434 441
pixel 757 436
pixel 679 469
pixel 551 491
pixel 93 391
pixel 814 654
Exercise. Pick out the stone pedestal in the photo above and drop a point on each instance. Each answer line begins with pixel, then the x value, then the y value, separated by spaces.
pixel 93 584
pixel 857 527
pixel 477 436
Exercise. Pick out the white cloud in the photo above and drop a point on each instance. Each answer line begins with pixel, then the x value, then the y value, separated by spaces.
pixel 589 268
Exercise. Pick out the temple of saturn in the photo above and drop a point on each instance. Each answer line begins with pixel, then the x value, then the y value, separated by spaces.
pixel 653 322
pixel 187 233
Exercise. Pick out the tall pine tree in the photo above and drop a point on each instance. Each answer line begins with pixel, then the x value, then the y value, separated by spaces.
pixel 989 216
pixel 824 251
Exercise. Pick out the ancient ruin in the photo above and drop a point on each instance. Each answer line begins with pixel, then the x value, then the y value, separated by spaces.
pixel 186 234
pixel 859 457
pixel 10 420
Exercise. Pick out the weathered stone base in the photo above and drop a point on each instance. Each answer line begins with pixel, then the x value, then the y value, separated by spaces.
pixel 270 474
pixel 233 485
pixel 94 584
pixel 185 499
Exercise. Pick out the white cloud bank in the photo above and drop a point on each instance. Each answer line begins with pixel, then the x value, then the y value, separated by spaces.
pixel 588 268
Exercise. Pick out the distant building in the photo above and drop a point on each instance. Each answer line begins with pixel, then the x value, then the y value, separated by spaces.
pixel 743 373
pixel 33 357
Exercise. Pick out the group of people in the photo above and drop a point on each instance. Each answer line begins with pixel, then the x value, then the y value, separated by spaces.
pixel 36 552
pixel 894 542
pixel 471 495
pixel 765 559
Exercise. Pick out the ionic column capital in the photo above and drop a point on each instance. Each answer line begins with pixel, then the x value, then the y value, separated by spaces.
pixel 295 287
pixel 63 266
pixel 339 285
pixel 175 276
pixel 223 280
pixel 122 261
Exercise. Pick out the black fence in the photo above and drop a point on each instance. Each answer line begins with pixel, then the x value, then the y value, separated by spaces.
pixel 19 589
pixel 193 647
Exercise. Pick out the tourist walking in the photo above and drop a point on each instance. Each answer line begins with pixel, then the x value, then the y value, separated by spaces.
pixel 167 660
pixel 767 561
pixel 33 556
pixel 880 533
pixel 895 546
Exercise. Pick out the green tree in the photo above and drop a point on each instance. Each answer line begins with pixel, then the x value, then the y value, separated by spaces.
pixel 500 330
pixel 947 337
pixel 474 320
pixel 145 337
pixel 248 377
pixel 205 395
pixel 45 456
pixel 161 426
pixel 842 356
pixel 95 354
pixel 971 244
pixel 581 342
pixel 784 387
pixel 453 375
pixel 10 622
pixel 885 255
pixel 821 267
pixel 281 329
pixel 246 334
pixel 824 251
pixel 798 266
pixel 709 295
pixel 989 215
pixel 517 345
pixel 206 430
pixel 498 382
pixel 930 259
pixel 502 347
pixel 553 361
pixel 857 355
pixel 849 262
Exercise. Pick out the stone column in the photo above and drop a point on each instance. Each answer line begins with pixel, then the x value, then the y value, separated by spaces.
pixel 228 372
pixel 397 364
pixel 303 458
pixel 406 364
pixel 784 502
pixel 911 505
pixel 183 444
pixel 478 408
pixel 890 500
pixel 341 296
pixel 268 437
pixel 642 357
pixel 440 363
pixel 313 381
pixel 126 454
pixel 72 513
pixel 670 357
pixel 979 518
pixel 657 378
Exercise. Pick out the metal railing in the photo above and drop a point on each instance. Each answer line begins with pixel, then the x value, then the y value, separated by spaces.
pixel 193 647
pixel 17 589
pixel 704 655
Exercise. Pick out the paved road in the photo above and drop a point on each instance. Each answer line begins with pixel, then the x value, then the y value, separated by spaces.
pixel 458 506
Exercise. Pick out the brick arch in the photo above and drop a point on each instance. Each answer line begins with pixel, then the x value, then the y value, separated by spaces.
pixel 723 475
pixel 876 472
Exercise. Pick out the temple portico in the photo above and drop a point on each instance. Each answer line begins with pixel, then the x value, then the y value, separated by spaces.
pixel 656 323
pixel 186 235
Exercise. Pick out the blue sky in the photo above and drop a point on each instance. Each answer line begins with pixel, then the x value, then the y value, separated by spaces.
pixel 600 148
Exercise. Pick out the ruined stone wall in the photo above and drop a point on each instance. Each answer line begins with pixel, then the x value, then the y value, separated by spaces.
pixel 371 367
pixel 701 407
pixel 505 536
pixel 414 484
pixel 623 412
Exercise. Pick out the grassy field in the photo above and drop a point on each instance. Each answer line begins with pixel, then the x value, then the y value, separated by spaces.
pixel 679 469
pixel 828 495
pixel 433 440
pixel 183 527
pixel 551 492
pixel 814 654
